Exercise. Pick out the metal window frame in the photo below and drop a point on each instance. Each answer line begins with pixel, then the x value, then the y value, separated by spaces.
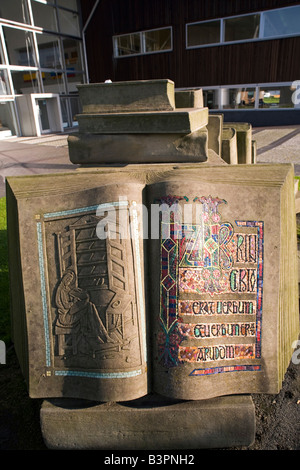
pixel 142 42
pixel 58 35
pixel 255 86
pixel 222 29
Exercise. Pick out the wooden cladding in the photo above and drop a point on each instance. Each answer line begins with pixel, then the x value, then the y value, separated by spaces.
pixel 249 62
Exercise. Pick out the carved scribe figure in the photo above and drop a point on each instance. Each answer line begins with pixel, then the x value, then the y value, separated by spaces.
pixel 78 313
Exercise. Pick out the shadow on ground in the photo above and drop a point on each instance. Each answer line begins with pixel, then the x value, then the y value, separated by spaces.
pixel 277 416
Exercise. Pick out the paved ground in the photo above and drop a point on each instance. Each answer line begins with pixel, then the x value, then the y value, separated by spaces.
pixel 49 154
pixel 277 416
pixel 278 145
pixel 33 155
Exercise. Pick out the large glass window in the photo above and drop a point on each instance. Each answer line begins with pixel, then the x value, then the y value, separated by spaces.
pixel 8 125
pixel 71 4
pixel 203 33
pixel 70 107
pixel 64 111
pixel 25 82
pixel 128 44
pixel 68 22
pixel 72 54
pixel 49 52
pixel 75 107
pixel 44 16
pixel 276 97
pixel 158 40
pixel 279 22
pixel 14 10
pixel 282 22
pixel 53 82
pixel 144 42
pixel 210 99
pixel 4 85
pixel 19 45
pixel 238 98
pixel 73 80
pixel 241 28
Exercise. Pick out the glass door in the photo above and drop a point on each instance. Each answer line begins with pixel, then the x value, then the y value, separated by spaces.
pixel 43 115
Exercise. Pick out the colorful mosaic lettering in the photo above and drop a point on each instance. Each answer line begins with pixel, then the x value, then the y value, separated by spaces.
pixel 214 268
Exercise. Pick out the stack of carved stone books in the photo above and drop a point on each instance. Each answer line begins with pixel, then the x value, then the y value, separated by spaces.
pixel 179 279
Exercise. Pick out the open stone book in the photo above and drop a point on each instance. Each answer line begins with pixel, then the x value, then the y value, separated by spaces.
pixel 180 280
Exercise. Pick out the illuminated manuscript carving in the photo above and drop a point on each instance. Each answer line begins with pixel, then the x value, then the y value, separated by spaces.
pixel 211 288
pixel 94 307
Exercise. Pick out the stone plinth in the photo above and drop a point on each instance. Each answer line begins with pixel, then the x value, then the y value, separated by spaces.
pixel 152 422
pixel 132 96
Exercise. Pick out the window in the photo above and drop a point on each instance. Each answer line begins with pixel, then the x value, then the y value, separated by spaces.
pixel 72 54
pixel 15 10
pixel 44 16
pixel 71 4
pixel 251 97
pixel 144 42
pixel 4 86
pixel 49 51
pixel 127 45
pixel 210 99
pixel 25 81
pixel 53 82
pixel 8 123
pixel 158 40
pixel 261 25
pixel 203 33
pixel 241 28
pixel 238 98
pixel 276 97
pixel 19 44
pixel 282 22
pixel 74 79
pixel 68 22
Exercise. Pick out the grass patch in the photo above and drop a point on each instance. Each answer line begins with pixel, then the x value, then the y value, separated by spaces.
pixel 4 280
pixel 297 178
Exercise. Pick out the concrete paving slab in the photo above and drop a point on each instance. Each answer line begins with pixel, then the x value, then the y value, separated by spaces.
pixel 278 145
pixel 20 156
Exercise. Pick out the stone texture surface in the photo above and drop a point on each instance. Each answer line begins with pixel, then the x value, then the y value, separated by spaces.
pixel 151 422
pixel 229 146
pixel 214 127
pixel 244 140
pixel 131 96
pixel 189 98
pixel 137 148
pixel 181 121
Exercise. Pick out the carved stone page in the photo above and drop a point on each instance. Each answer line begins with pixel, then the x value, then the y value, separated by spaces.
pixel 90 325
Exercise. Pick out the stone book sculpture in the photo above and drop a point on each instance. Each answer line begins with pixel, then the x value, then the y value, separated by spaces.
pixel 178 279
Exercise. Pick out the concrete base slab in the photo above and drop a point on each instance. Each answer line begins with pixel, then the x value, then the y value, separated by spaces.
pixel 149 423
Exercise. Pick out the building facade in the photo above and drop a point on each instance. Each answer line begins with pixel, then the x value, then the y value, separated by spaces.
pixel 243 54
pixel 41 62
